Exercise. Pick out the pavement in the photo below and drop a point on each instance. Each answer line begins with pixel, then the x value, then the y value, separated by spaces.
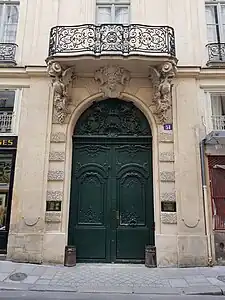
pixel 76 296
pixel 114 279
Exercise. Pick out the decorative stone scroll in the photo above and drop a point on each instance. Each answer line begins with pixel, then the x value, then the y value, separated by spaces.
pixel 162 78
pixel 61 80
pixel 112 80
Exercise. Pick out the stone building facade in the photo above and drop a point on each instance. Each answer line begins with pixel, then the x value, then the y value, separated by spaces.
pixel 92 89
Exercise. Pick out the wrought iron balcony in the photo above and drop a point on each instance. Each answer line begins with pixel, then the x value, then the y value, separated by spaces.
pixel 6 118
pixel 8 53
pixel 112 39
pixel 216 52
pixel 218 122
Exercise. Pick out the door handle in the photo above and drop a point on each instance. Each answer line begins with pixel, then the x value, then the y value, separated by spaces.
pixel 117 215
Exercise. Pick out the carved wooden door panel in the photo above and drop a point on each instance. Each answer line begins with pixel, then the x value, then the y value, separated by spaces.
pixel 133 196
pixel 111 206
pixel 90 205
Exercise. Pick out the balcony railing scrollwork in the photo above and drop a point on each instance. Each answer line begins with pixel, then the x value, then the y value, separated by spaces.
pixel 112 39
pixel 216 52
pixel 8 53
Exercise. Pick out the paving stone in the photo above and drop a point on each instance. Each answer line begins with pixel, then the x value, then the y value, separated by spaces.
pixel 7 267
pixel 43 281
pixel 160 291
pixel 38 271
pixel 178 283
pixel 40 287
pixel 202 290
pixel 13 286
pixel 31 279
pixel 196 279
pixel 47 276
pixel 27 269
pixel 215 281
pixel 117 290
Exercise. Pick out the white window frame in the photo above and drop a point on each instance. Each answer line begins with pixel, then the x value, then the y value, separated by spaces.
pixel 113 4
pixel 209 92
pixel 5 3
pixel 16 110
pixel 218 3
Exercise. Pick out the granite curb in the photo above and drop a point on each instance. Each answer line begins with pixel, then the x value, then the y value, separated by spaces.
pixel 200 290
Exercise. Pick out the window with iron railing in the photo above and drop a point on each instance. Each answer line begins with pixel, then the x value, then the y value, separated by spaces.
pixel 218 111
pixel 7 100
pixel 113 11
pixel 215 19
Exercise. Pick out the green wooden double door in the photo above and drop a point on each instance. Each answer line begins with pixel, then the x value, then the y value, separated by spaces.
pixel 111 213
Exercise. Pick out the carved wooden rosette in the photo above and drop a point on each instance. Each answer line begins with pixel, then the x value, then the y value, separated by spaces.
pixel 162 78
pixel 112 80
pixel 61 79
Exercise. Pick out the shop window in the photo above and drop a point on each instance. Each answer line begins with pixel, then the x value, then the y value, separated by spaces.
pixel 5 174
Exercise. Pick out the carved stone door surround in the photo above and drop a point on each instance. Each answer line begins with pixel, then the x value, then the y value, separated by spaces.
pixel 112 80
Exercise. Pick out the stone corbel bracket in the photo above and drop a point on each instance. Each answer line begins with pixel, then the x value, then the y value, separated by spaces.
pixel 112 80
pixel 162 78
pixel 61 79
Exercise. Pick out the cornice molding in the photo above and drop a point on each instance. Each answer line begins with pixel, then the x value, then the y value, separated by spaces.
pixel 182 71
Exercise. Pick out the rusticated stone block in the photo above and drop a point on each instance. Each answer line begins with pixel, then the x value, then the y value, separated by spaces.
pixel 168 197
pixel 166 156
pixel 54 195
pixel 58 137
pixel 169 217
pixel 167 176
pixel 56 156
pixel 55 175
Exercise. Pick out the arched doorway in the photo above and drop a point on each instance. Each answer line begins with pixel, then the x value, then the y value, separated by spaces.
pixel 111 207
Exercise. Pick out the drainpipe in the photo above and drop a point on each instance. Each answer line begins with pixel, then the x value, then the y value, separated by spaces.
pixel 205 202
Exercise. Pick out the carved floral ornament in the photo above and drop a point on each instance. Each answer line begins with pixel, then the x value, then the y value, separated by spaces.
pixel 162 78
pixel 61 79
pixel 112 80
